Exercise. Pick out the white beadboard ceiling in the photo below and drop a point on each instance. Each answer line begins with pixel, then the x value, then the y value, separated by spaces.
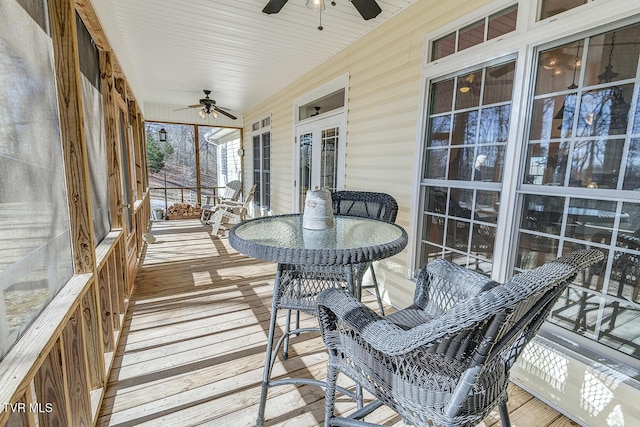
pixel 242 55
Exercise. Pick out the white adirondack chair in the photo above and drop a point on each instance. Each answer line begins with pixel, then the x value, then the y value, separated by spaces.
pixel 230 213
pixel 230 194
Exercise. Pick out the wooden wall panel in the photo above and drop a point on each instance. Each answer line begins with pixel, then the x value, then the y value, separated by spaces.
pixel 115 290
pixel 68 78
pixel 21 416
pixel 50 388
pixel 105 310
pixel 93 339
pixel 111 137
pixel 77 375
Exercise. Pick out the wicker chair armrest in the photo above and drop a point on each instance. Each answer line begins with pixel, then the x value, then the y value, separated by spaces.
pixel 339 310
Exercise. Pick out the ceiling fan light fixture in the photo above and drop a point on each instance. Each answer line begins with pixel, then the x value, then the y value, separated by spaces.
pixel 316 5
pixel 202 113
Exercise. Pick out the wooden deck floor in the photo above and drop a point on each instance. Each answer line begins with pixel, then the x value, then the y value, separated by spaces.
pixel 193 344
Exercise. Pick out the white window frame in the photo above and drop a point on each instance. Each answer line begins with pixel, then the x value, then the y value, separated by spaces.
pixel 529 36
pixel 525 42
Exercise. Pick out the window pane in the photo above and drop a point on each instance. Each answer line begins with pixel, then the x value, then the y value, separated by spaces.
pixel 550 8
pixel 502 22
pixel 329 159
pixel 499 83
pixel 436 163
pixel 439 131
pixel 489 163
pixel 471 35
pixel 265 201
pixel 494 124
pixel 596 163
pixel 553 117
pixel 559 68
pixel 461 164
pixel 486 207
pixel 604 111
pixel 546 163
pixel 465 128
pixel 441 96
pixel 468 94
pixel 632 170
pixel 613 56
pixel 444 46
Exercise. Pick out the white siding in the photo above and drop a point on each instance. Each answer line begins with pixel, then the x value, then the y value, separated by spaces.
pixel 384 89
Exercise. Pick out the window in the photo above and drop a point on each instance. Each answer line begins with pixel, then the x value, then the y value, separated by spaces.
pixel 484 29
pixel 549 8
pixel 261 138
pixel 35 253
pixel 322 105
pixel 463 165
pixel 581 180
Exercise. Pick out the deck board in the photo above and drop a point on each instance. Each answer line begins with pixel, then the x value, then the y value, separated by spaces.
pixel 193 343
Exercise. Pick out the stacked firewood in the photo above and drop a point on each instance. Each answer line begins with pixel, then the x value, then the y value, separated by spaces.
pixel 184 210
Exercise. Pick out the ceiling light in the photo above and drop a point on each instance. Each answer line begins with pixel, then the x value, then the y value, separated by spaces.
pixel 465 85
pixel 316 5
pixel 202 113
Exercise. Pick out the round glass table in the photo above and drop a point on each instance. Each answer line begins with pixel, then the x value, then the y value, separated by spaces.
pixel 310 261
pixel 282 239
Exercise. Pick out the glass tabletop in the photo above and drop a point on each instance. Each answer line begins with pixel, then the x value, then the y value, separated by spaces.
pixel 282 239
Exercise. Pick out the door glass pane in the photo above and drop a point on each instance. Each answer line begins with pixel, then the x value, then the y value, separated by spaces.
pixel 329 159
pixel 304 176
pixel 580 140
pixel 265 201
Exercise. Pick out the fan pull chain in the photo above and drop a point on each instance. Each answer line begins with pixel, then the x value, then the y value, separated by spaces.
pixel 320 27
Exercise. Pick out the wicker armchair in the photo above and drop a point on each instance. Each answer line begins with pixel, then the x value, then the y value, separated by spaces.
pixel 446 359
pixel 368 205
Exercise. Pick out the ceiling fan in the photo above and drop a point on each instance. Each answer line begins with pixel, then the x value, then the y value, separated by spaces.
pixel 367 8
pixel 209 106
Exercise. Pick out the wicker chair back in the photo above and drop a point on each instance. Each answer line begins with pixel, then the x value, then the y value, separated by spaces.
pixel 365 204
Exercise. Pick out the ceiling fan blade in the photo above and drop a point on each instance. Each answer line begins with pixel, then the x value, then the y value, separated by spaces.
pixel 274 6
pixel 221 111
pixel 368 8
pixel 190 106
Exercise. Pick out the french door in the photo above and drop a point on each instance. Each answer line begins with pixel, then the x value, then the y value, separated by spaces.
pixel 319 161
